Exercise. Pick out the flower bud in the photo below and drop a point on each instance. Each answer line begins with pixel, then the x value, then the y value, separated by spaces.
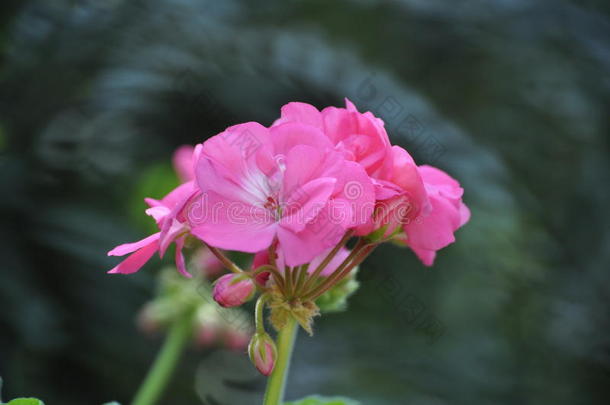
pixel 262 352
pixel 389 217
pixel 232 290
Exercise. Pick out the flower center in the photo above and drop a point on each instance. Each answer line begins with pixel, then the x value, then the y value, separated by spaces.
pixel 274 207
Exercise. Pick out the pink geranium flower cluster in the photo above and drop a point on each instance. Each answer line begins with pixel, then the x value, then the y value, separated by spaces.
pixel 294 194
pixel 298 187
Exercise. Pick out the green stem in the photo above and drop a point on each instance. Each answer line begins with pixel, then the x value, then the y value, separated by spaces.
pixel 228 263
pixel 258 314
pixel 330 279
pixel 158 376
pixel 274 395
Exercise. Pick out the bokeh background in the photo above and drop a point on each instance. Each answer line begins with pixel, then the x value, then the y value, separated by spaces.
pixel 509 96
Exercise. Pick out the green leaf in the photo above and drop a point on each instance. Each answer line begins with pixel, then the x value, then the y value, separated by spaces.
pixel 111 403
pixel 25 401
pixel 317 400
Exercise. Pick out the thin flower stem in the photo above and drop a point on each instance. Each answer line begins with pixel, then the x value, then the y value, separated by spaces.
pixel 163 366
pixel 277 276
pixel 301 274
pixel 228 263
pixel 274 394
pixel 289 283
pixel 271 254
pixel 314 276
pixel 341 274
pixel 280 283
pixel 259 313
pixel 355 251
pixel 331 280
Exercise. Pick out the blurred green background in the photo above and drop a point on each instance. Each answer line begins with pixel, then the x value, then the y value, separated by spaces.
pixel 509 96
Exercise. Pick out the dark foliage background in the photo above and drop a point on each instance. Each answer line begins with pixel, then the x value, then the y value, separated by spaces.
pixel 511 97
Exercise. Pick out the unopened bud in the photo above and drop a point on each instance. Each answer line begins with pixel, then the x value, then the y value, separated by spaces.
pixel 262 352
pixel 232 290
pixel 389 217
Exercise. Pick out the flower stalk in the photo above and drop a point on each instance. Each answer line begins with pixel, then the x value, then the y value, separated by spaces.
pixel 228 263
pixel 276 384
pixel 316 274
pixel 357 256
pixel 158 376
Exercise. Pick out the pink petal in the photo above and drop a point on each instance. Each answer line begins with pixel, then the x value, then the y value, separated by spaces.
pixel 228 163
pixel 356 193
pixel 435 230
pixel 362 135
pixel 349 106
pixel 158 213
pixel 302 164
pixel 180 264
pixel 319 235
pixel 444 183
pixel 407 176
pixel 286 136
pixel 170 234
pixel 306 202
pixel 178 195
pixel 300 112
pixel 137 259
pixel 233 225
pixel 298 249
pixel 260 258
pixel 464 214
pixel 335 262
pixel 338 124
pixel 122 250
pixel 426 256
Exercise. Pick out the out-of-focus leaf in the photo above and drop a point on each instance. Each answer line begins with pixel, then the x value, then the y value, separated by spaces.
pixel 317 400
pixel 26 401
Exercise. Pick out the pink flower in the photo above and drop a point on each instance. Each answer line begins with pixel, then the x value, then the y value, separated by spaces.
pixel 169 213
pixel 263 353
pixel 232 290
pixel 286 183
pixel 361 137
pixel 434 230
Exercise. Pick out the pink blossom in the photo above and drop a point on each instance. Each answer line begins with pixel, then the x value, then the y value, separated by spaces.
pixel 292 186
pixel 361 137
pixel 434 230
pixel 232 290
pixel 169 214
